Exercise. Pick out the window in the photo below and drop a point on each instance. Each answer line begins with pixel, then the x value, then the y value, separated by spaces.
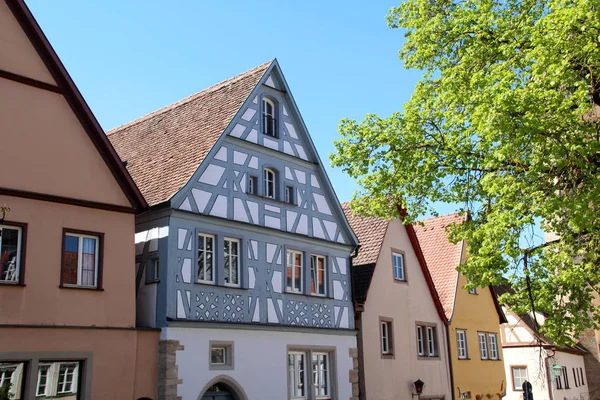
pixel 387 338
pixel 420 341
pixel 320 368
pixel 6 374
pixel 493 346
pixel 289 195
pixel 155 269
pixel 81 259
pixel 398 262
pixel 318 275
pixel 294 271
pixel 10 253
pixel 252 185
pixel 67 378
pixel 297 375
pixel 427 341
pixel 269 179
pixel 42 380
pixel 558 382
pixel 269 122
pixel 431 341
pixel 519 376
pixel 473 291
pixel 220 355
pixel 581 376
pixel 461 339
pixel 206 258
pixel 483 348
pixel 317 383
pixel 232 262
pixel 575 378
pixel 565 374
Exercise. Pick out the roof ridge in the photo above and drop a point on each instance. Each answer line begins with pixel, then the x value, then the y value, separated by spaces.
pixel 189 98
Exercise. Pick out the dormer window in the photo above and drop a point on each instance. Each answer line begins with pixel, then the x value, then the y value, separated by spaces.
pixel 269 177
pixel 269 121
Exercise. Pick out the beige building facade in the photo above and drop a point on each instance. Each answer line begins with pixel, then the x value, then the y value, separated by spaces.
pixel 67 279
pixel 402 330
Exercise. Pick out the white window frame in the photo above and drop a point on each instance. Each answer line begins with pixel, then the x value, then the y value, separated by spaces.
pixel 420 341
pixel 224 350
pixel 289 194
pixel 155 269
pixel 204 236
pixel 294 373
pixel 3 377
pixel 266 101
pixel 237 263
pixel 269 193
pixel 493 346
pixel 483 346
pixel 60 385
pixel 386 348
pixel 290 263
pixel 431 342
pixel 46 368
pixel 399 270
pixel 521 378
pixel 321 374
pixel 314 258
pixel 80 237
pixel 16 273
pixel 462 344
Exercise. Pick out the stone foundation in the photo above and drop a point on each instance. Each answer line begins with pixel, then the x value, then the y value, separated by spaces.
pixel 354 377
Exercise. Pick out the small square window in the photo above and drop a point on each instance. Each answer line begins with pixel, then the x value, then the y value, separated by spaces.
pixel 221 355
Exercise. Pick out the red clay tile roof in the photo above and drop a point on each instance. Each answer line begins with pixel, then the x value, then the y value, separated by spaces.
pixel 164 148
pixel 370 232
pixel 442 256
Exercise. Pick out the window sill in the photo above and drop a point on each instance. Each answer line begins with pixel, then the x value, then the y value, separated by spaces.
pixel 265 198
pixel 153 282
pixel 426 358
pixel 224 367
pixel 464 359
pixel 7 283
pixel 80 287
pixel 389 356
pixel 401 281
pixel 314 296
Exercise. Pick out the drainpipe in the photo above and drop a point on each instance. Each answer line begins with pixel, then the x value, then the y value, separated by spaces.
pixel 548 378
pixel 450 359
pixel 358 310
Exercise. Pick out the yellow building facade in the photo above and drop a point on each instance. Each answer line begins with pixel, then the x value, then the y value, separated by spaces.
pixel 474 316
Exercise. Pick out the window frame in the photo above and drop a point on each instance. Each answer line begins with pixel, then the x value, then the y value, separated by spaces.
pixel 401 255
pixel 289 195
pixel 291 289
pixel 265 116
pixel 74 377
pixel 565 373
pixel 214 263
pixel 483 345
pixel 512 375
pixel 81 234
pixel 238 263
pixel 316 292
pixel 424 341
pixel 327 374
pixel 462 332
pixel 21 249
pixel 228 356
pixel 41 367
pixel 252 184
pixel 581 380
pixel 386 337
pixel 303 369
pixel 266 181
pixel 493 349
pixel 311 374
pixel 420 341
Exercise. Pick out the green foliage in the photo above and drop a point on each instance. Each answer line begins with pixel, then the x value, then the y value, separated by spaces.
pixel 5 393
pixel 504 121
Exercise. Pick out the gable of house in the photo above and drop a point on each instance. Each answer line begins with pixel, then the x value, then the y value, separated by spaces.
pixel 53 144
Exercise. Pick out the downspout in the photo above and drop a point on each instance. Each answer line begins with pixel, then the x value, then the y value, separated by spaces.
pixel 449 359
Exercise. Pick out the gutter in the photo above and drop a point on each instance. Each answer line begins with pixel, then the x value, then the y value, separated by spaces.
pixel 450 360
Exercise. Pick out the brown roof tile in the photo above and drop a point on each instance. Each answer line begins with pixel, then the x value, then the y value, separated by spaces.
pixel 442 256
pixel 370 232
pixel 164 148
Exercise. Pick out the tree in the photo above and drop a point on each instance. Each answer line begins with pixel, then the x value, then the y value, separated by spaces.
pixel 505 122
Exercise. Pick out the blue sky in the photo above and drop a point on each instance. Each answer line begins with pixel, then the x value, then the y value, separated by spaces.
pixel 131 57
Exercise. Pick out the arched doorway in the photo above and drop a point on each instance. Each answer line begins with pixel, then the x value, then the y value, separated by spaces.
pixel 218 392
pixel 222 387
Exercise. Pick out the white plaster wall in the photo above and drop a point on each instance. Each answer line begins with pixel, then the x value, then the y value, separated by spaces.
pixel 536 371
pixel 406 303
pixel 260 359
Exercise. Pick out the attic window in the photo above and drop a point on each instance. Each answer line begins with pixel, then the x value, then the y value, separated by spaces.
pixel 269 121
